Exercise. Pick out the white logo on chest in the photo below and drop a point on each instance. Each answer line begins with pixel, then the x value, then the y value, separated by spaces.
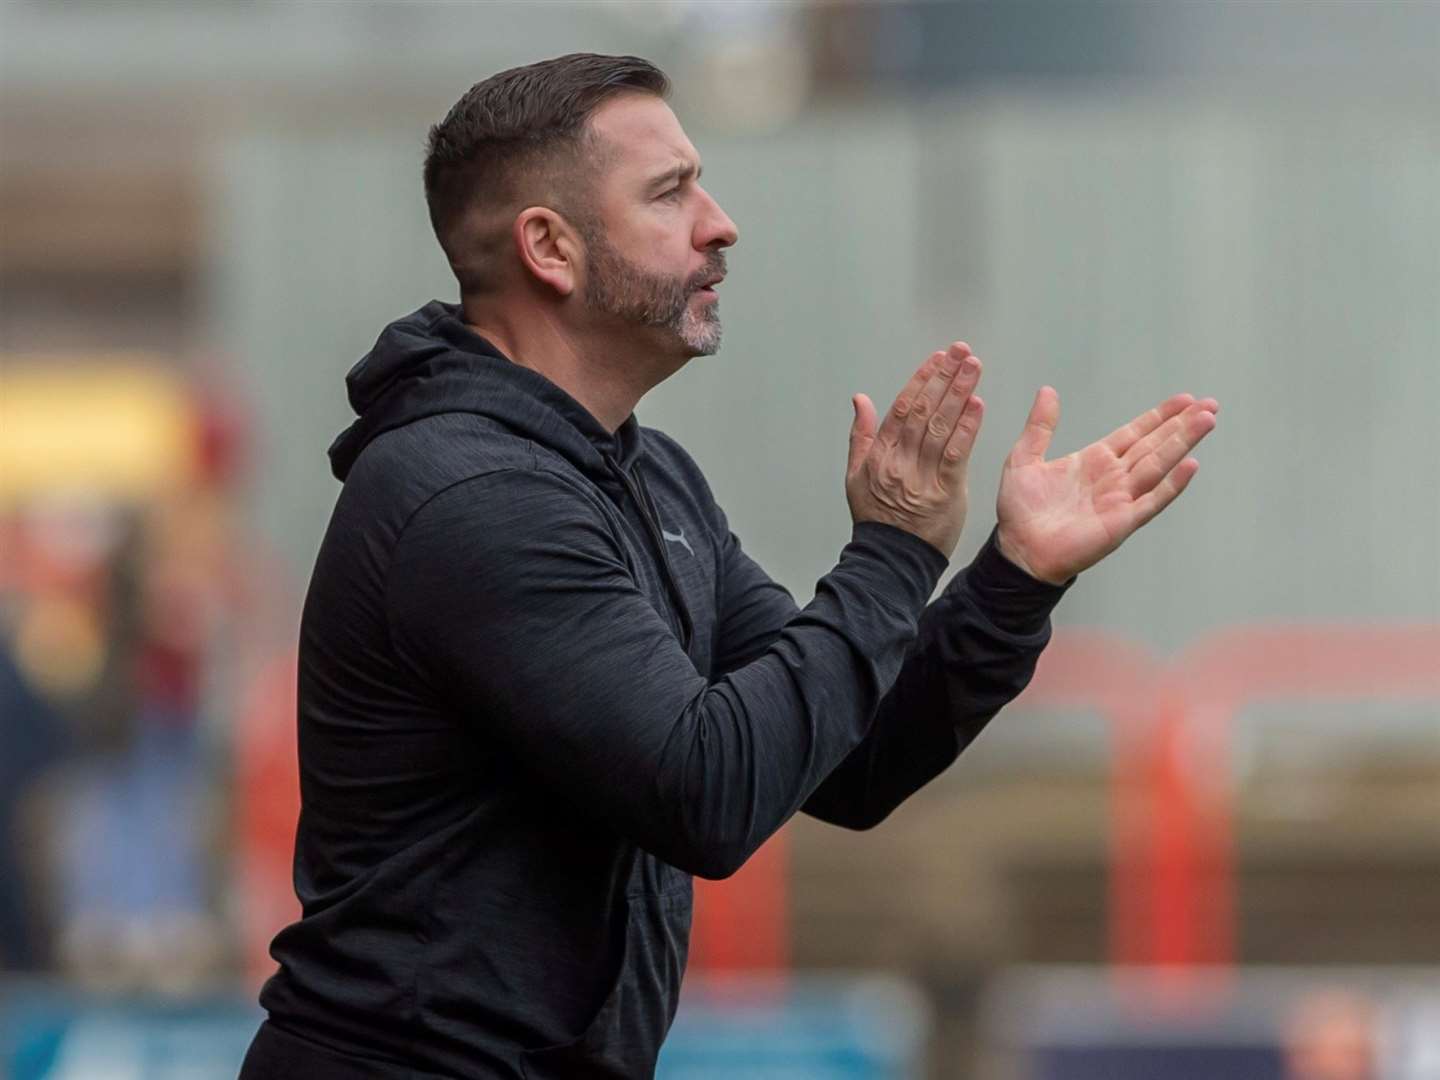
pixel 678 538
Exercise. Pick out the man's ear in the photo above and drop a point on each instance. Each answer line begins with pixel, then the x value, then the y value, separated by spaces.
pixel 548 248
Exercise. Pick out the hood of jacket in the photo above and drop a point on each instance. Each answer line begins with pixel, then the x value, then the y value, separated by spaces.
pixel 430 362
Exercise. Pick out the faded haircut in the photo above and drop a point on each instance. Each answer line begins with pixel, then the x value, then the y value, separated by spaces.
pixel 517 139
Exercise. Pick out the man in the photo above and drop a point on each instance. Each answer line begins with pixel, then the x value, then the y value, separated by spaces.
pixel 541 684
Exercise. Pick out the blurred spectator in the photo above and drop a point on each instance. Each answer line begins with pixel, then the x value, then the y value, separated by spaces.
pixel 1330 1035
pixel 33 741
pixel 133 839
pixel 119 589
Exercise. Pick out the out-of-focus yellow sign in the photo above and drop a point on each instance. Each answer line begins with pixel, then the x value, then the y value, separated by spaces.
pixel 121 427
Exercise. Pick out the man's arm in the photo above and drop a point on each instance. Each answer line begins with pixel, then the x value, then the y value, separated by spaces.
pixel 975 650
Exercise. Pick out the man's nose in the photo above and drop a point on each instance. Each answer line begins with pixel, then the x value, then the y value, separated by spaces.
pixel 715 228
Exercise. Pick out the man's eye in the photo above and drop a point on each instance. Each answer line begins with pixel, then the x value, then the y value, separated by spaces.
pixel 670 193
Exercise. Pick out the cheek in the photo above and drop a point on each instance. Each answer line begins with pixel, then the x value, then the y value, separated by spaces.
pixel 669 229
pixel 659 240
pixel 668 246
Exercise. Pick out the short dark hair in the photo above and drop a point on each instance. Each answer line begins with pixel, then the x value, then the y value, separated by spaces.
pixel 485 153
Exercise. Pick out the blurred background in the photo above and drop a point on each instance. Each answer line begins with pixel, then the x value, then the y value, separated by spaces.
pixel 1205 843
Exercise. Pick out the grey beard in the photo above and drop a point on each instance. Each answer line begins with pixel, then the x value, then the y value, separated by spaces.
pixel 616 286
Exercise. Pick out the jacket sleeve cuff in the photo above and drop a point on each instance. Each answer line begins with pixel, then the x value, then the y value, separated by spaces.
pixel 915 564
pixel 1013 600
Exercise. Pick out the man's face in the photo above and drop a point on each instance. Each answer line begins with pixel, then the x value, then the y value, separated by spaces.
pixel 654 246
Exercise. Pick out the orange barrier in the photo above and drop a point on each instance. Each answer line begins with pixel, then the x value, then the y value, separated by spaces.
pixel 267 772
pixel 1172 889
pixel 1120 679
pixel 743 923
pixel 1204 690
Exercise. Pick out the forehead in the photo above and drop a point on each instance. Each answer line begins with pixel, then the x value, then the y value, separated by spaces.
pixel 642 134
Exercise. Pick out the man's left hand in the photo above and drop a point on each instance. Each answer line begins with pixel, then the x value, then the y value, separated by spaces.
pixel 1057 518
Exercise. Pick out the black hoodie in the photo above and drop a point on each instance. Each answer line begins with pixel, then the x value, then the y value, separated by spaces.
pixel 541 685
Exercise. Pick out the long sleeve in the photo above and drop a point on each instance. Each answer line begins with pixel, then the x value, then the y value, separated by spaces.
pixel 975 651
pixel 509 596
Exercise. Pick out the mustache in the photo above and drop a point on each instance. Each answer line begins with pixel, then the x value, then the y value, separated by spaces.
pixel 714 266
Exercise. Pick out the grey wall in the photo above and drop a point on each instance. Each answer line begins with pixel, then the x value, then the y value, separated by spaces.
pixel 1283 259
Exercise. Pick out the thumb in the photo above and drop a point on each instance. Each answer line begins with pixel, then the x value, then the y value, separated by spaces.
pixel 1039 427
pixel 862 431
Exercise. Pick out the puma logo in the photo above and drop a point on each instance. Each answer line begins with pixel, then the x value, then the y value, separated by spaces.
pixel 678 538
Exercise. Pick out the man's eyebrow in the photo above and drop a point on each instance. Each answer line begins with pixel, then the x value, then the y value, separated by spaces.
pixel 681 170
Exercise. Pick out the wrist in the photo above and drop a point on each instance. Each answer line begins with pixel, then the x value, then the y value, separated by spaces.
pixel 1016 556
pixel 1012 599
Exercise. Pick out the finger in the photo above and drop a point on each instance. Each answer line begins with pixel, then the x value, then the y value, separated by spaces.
pixel 904 401
pixel 1122 438
pixel 1143 448
pixel 862 432
pixel 1189 428
pixel 1039 427
pixel 962 439
pixel 1165 492
pixel 913 434
pixel 947 415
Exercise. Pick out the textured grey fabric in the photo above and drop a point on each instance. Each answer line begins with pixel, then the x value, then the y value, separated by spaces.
pixel 542 685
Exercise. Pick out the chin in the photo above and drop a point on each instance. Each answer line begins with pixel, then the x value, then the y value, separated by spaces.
pixel 708 347
pixel 702 338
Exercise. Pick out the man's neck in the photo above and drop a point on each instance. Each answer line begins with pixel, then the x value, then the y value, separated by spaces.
pixel 605 380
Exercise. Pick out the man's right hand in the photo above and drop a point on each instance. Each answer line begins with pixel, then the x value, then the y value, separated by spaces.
pixel 911 472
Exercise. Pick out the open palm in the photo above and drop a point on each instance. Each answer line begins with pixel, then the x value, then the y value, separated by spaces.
pixel 1057 518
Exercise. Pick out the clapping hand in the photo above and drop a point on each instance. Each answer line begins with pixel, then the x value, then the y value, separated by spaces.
pixel 910 470
pixel 1057 518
